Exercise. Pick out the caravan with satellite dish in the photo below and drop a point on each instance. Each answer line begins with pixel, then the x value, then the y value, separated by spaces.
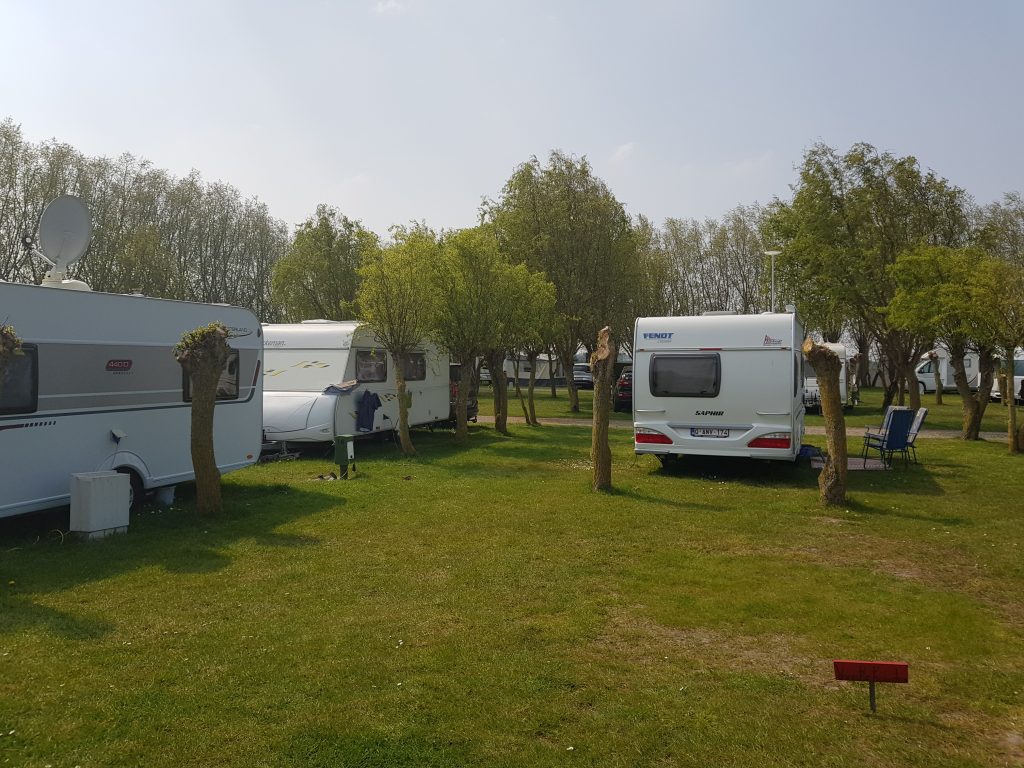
pixel 95 385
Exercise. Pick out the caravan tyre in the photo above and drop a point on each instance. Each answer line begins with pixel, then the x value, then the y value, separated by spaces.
pixel 137 491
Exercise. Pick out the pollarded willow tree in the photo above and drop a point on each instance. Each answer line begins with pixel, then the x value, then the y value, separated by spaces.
pixel 319 276
pixel 10 345
pixel 851 217
pixel 396 301
pixel 202 354
pixel 832 479
pixel 562 220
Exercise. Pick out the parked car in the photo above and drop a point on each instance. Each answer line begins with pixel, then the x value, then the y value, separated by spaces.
pixel 622 400
pixel 582 376
pixel 472 403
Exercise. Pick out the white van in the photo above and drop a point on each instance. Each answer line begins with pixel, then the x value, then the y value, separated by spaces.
pixel 925 371
pixel 97 388
pixel 718 385
pixel 318 371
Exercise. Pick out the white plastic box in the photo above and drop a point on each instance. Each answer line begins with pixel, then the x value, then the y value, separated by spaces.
pixel 100 503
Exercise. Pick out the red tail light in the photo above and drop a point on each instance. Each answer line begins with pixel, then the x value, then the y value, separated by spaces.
pixel 771 440
pixel 651 437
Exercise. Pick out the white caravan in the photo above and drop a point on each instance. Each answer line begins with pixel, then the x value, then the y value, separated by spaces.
pixel 97 388
pixel 925 371
pixel 318 371
pixel 718 385
pixel 812 394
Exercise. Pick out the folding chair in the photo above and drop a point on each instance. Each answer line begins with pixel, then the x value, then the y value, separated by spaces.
pixel 915 427
pixel 891 438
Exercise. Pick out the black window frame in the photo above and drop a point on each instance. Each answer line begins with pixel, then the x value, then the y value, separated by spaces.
pixel 233 357
pixel 382 362
pixel 407 364
pixel 31 351
pixel 684 356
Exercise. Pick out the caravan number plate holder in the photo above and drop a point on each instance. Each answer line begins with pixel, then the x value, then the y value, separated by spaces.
pixel 708 432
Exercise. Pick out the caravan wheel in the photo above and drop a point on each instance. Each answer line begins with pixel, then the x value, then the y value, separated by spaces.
pixel 137 491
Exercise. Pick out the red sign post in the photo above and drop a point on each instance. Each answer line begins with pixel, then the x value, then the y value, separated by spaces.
pixel 872 672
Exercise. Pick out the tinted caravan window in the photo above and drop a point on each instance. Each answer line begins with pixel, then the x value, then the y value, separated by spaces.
pixel 227 384
pixel 685 375
pixel 371 365
pixel 415 367
pixel 19 387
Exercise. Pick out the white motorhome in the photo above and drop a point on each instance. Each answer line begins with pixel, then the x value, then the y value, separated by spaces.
pixel 97 388
pixel 718 385
pixel 925 371
pixel 812 394
pixel 318 371
pixel 996 394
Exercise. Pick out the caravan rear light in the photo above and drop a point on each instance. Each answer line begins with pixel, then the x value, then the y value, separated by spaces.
pixel 644 435
pixel 771 440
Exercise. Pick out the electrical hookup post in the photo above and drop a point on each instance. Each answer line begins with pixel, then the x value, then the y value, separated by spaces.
pixel 345 455
pixel 872 672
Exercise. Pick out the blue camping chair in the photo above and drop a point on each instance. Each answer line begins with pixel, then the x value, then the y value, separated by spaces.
pixel 910 450
pixel 891 438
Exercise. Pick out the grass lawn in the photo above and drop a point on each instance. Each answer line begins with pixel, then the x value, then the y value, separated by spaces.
pixel 481 606
pixel 869 413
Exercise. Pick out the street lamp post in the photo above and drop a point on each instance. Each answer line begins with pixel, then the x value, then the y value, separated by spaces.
pixel 773 254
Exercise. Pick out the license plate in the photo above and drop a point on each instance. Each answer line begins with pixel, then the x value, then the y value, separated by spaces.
pixel 708 432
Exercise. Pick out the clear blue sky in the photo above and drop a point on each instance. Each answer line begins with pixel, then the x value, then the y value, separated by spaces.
pixel 395 110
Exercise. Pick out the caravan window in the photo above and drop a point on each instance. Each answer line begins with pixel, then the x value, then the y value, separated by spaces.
pixel 19 387
pixel 227 385
pixel 685 375
pixel 414 367
pixel 371 365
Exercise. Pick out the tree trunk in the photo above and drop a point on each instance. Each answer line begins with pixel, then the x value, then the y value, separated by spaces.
pixel 404 440
pixel 971 411
pixel 495 362
pixel 1013 439
pixel 519 392
pixel 602 367
pixel 532 416
pixel 551 372
pixel 986 374
pixel 832 480
pixel 204 462
pixel 462 401
pixel 937 375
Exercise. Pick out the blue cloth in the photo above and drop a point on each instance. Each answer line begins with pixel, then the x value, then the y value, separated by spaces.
pixel 368 406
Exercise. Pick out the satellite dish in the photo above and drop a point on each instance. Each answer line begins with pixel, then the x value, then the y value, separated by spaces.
pixel 64 232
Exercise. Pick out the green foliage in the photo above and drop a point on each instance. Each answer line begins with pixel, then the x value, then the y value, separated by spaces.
pixel 10 344
pixel 395 296
pixel 563 221
pixel 319 276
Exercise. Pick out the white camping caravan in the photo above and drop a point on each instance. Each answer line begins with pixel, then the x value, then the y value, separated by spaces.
pixel 925 371
pixel 812 394
pixel 318 372
pixel 718 385
pixel 97 388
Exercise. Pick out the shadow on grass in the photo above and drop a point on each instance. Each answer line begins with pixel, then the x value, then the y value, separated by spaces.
pixel 37 559
pixel 688 506
pixel 750 472
pixel 855 505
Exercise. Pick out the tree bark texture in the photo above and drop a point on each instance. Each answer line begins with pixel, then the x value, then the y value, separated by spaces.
pixel 971 402
pixel 832 480
pixel 462 401
pixel 1013 439
pixel 936 375
pixel 495 363
pixel 532 416
pixel 404 439
pixel 202 354
pixel 519 392
pixel 602 367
